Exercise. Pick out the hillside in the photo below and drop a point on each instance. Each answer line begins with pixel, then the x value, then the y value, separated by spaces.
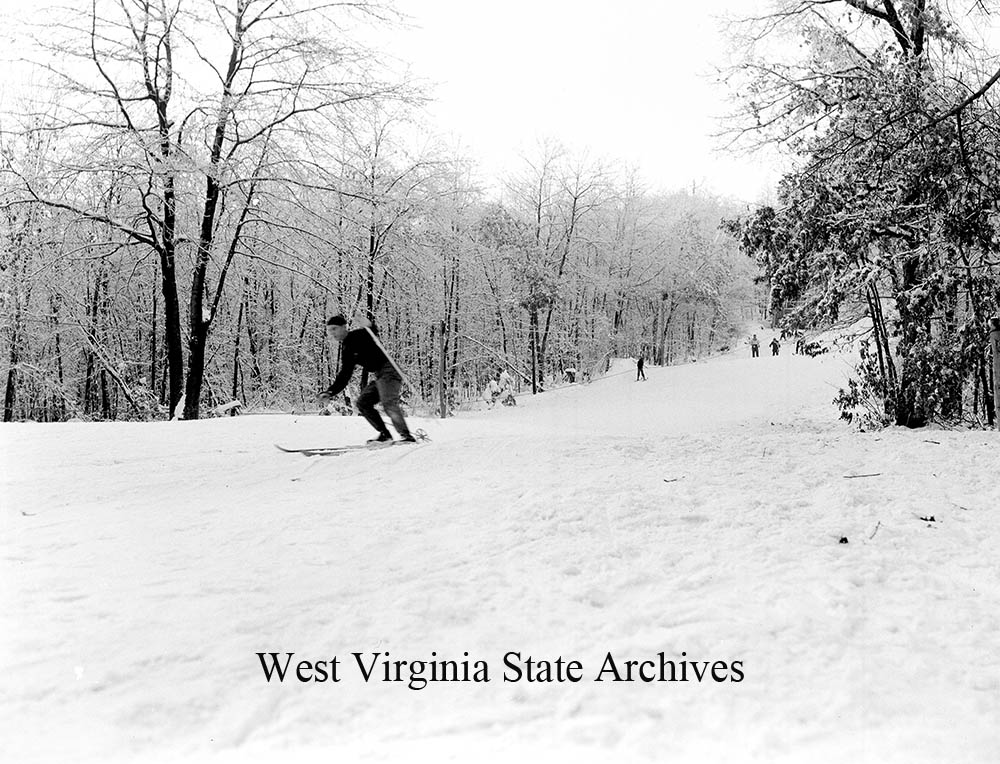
pixel 698 514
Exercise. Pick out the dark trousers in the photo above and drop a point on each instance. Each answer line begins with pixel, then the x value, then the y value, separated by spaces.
pixel 384 389
pixel 754 351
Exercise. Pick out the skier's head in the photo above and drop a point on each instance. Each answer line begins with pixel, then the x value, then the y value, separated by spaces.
pixel 336 327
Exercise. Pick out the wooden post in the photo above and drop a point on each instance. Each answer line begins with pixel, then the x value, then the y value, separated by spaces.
pixel 441 390
pixel 995 349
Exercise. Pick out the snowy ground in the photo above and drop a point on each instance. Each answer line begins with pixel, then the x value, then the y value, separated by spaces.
pixel 143 566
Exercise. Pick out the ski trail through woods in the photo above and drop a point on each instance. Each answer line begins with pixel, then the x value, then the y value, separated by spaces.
pixel 143 566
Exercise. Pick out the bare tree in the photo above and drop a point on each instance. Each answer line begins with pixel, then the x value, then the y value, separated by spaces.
pixel 191 97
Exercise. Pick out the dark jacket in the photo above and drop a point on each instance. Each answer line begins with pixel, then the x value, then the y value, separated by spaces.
pixel 357 349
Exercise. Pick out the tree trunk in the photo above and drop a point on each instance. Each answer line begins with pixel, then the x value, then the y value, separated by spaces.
pixel 995 352
pixel 441 386
pixel 153 348
pixel 10 393
pixel 59 361
pixel 168 239
pixel 907 410
pixel 236 353
pixel 533 341
pixel 199 322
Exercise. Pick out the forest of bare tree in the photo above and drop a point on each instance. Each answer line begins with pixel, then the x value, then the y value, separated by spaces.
pixel 189 189
pixel 194 187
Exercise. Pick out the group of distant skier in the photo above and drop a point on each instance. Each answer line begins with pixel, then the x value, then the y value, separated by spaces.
pixel 755 346
pixel 802 347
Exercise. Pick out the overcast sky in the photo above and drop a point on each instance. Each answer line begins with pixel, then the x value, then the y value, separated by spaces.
pixel 629 81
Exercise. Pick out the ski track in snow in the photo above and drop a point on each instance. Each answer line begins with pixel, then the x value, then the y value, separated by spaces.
pixel 144 565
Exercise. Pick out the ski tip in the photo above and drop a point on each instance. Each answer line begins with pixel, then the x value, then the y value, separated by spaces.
pixel 309 451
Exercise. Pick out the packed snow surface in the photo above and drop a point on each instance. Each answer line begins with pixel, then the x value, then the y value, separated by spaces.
pixel 697 515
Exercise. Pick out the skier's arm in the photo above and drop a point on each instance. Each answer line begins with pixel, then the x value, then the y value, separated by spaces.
pixel 340 383
pixel 348 360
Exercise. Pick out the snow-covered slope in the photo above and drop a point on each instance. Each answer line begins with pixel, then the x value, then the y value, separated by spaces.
pixel 697 514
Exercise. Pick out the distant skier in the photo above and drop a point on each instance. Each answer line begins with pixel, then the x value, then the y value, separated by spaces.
pixel 358 347
pixel 754 346
pixel 639 373
pixel 775 345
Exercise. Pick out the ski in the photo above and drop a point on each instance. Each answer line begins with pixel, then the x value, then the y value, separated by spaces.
pixel 420 435
pixel 328 450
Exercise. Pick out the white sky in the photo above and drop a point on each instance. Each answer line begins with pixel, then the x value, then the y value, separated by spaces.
pixel 629 81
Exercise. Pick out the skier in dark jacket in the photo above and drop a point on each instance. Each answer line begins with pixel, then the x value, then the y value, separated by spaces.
pixel 358 347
